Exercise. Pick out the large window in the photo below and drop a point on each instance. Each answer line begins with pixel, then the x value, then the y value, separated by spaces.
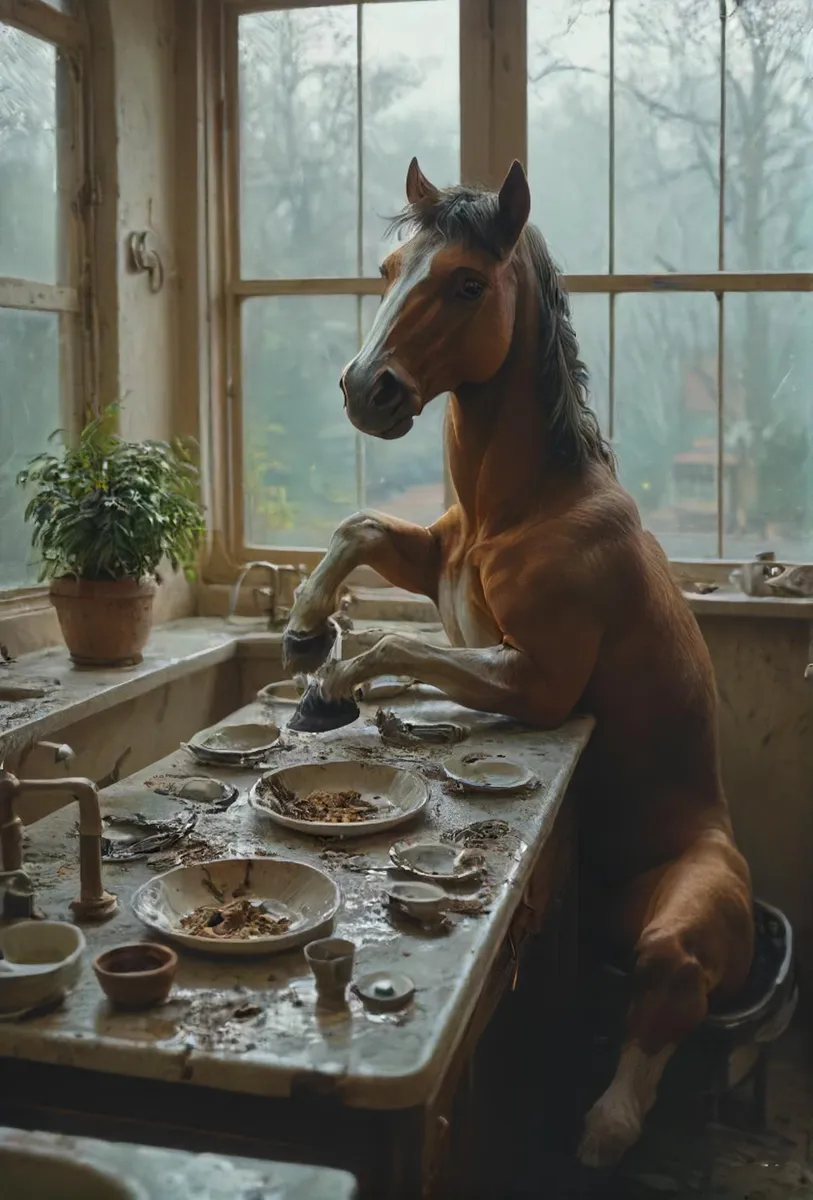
pixel 670 154
pixel 40 250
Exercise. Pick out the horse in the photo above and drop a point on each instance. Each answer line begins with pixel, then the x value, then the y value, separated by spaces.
pixel 555 601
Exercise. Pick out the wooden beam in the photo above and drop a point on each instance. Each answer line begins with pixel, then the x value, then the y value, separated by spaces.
pixel 713 281
pixel 44 297
pixel 40 19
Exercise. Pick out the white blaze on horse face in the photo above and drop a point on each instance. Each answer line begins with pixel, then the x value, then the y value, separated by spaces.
pixel 416 268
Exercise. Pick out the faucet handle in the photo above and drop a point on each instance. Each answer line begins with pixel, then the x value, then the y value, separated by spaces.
pixel 18 895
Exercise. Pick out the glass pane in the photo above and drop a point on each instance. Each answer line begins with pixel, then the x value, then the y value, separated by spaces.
pixel 568 129
pixel 769 137
pixel 666 416
pixel 411 93
pixel 299 447
pixel 591 321
pixel 63 5
pixel 28 165
pixel 29 412
pixel 405 478
pixel 667 114
pixel 769 425
pixel 298 143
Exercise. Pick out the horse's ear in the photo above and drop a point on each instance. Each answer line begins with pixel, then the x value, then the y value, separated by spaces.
pixel 418 188
pixel 515 205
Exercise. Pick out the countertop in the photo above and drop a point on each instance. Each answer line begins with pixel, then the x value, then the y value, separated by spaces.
pixel 251 1026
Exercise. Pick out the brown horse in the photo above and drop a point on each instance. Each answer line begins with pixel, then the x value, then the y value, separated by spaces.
pixel 554 600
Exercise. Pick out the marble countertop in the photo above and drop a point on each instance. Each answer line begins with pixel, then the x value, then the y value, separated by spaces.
pixel 252 1026
pixel 156 1174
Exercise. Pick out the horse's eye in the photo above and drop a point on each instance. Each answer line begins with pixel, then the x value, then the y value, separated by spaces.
pixel 471 289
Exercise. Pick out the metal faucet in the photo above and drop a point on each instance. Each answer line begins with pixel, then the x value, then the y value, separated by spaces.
pixel 277 613
pixel 93 902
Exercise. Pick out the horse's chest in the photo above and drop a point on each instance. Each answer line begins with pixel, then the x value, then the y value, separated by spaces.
pixel 463 611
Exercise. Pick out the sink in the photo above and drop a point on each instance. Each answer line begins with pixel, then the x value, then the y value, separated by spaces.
pixel 46 1176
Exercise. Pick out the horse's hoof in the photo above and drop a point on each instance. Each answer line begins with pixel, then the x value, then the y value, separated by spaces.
pixel 303 652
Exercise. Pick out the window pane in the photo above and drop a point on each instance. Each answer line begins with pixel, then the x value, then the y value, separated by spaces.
pixel 411 92
pixel 405 477
pixel 299 447
pixel 666 416
pixel 667 122
pixel 769 137
pixel 29 411
pixel 769 425
pixel 568 129
pixel 28 167
pixel 298 138
pixel 63 5
pixel 591 321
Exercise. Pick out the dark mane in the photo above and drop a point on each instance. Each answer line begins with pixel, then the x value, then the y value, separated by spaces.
pixel 468 215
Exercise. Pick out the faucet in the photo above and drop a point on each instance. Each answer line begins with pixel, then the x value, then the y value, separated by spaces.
pixel 93 903
pixel 277 613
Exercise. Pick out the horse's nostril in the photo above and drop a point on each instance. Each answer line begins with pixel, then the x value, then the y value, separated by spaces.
pixel 386 390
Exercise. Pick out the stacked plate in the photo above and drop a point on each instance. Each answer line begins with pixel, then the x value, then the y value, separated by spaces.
pixel 233 745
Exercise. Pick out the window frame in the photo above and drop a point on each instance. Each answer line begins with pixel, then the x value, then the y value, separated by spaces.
pixel 70 299
pixel 493 131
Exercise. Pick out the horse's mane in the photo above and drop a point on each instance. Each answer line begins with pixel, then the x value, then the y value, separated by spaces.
pixel 469 215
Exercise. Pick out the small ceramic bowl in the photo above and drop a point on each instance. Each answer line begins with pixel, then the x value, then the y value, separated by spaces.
pixel 42 960
pixel 137 975
pixel 422 901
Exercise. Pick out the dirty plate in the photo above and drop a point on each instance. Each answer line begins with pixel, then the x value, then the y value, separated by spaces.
pixel 484 773
pixel 385 687
pixel 391 795
pixel 304 896
pixel 287 691
pixel 436 861
pixel 233 743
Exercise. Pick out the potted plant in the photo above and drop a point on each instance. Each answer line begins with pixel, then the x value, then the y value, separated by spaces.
pixel 105 513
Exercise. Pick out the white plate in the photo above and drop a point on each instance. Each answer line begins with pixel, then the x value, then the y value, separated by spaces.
pixel 287 691
pixel 230 743
pixel 398 795
pixel 308 897
pixel 486 773
pixel 436 861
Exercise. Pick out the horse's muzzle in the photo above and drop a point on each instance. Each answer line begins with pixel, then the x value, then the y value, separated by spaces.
pixel 383 403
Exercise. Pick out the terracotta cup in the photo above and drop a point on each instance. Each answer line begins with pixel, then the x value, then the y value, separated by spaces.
pixel 137 975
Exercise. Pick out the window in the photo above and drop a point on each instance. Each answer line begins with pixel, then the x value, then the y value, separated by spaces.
pixel 40 253
pixel 670 155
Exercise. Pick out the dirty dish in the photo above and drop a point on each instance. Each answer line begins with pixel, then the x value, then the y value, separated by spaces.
pixel 286 691
pixel 331 961
pixel 487 773
pixel 291 891
pixel 43 961
pixel 136 975
pixel 423 901
pixel 384 990
pixel 436 861
pixel 233 743
pixel 341 798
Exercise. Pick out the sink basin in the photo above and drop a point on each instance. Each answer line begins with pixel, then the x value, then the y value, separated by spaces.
pixel 56 1177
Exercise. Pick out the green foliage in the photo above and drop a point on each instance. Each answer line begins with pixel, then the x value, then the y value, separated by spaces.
pixel 106 508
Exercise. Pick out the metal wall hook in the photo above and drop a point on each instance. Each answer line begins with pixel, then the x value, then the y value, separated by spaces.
pixel 145 257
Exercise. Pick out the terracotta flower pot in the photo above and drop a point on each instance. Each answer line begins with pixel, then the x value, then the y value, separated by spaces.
pixel 105 622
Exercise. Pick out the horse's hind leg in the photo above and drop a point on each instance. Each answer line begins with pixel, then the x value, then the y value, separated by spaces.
pixel 408 556
pixel 696 936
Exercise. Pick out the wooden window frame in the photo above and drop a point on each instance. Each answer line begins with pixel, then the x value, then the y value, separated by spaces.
pixel 70 299
pixel 493 131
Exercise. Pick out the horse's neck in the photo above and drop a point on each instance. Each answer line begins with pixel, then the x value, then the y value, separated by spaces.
pixel 497 437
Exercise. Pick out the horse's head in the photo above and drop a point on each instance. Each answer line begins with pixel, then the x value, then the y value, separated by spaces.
pixel 447 315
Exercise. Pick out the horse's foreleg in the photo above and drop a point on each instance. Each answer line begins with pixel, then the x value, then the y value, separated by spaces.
pixel 498 679
pixel 408 556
